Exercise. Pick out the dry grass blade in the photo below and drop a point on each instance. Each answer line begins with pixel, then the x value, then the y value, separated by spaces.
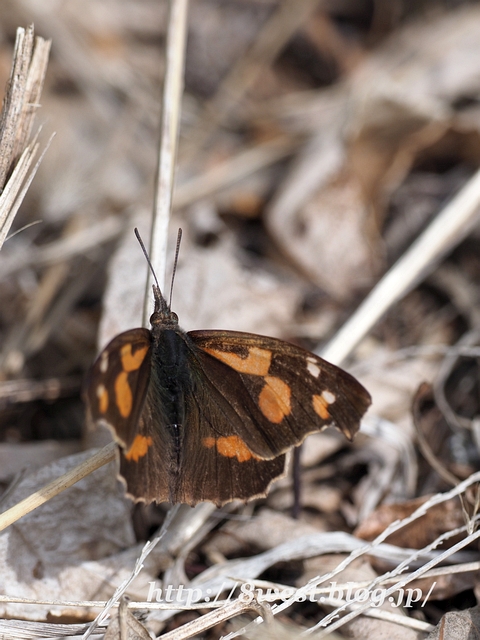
pixel 24 630
pixel 19 107
pixel 213 618
pixel 449 227
pixel 107 454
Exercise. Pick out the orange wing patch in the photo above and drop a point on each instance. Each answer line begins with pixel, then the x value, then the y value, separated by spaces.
pixel 257 362
pixel 123 395
pixel 230 447
pixel 132 361
pixel 274 399
pixel 320 406
pixel 139 448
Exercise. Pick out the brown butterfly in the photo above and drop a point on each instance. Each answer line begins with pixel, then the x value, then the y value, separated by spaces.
pixel 209 415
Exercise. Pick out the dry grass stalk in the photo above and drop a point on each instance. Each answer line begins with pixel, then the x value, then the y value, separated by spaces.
pixel 107 454
pixel 449 228
pixel 21 101
pixel 213 618
pixel 170 125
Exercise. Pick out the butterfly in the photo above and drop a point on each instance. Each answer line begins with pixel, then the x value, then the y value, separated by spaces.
pixel 209 415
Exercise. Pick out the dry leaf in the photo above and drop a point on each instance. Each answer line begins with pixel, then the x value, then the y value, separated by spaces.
pixel 439 519
pixel 40 554
pixel 458 625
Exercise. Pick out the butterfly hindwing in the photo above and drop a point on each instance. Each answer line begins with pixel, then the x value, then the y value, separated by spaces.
pixel 206 466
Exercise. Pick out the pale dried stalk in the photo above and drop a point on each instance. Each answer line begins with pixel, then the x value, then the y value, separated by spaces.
pixel 19 106
pixel 450 226
pixel 49 491
pixel 13 194
pixel 172 99
pixel 213 618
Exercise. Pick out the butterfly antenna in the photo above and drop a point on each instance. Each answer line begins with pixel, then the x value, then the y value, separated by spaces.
pixel 147 258
pixel 177 251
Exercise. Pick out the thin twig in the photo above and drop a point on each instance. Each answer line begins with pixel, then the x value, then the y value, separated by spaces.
pixel 22 97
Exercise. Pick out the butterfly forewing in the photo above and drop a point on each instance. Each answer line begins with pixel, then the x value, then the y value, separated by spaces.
pixel 118 383
pixel 282 390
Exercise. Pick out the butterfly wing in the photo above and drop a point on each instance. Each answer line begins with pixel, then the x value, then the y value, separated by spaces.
pixel 244 400
pixel 281 392
pixel 117 384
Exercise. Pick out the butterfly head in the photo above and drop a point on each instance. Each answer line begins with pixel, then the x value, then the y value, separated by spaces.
pixel 162 315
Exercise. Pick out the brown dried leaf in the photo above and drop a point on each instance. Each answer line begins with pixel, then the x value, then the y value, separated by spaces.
pixel 125 626
pixel 439 519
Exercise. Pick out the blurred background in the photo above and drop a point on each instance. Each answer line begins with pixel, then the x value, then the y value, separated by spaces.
pixel 318 139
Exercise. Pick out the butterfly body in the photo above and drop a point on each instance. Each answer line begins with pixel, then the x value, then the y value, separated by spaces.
pixel 209 415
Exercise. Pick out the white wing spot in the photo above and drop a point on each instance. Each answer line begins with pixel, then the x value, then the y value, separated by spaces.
pixel 313 367
pixel 100 390
pixel 329 397
pixel 104 362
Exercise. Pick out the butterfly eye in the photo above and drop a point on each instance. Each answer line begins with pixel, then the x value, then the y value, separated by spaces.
pixel 174 317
